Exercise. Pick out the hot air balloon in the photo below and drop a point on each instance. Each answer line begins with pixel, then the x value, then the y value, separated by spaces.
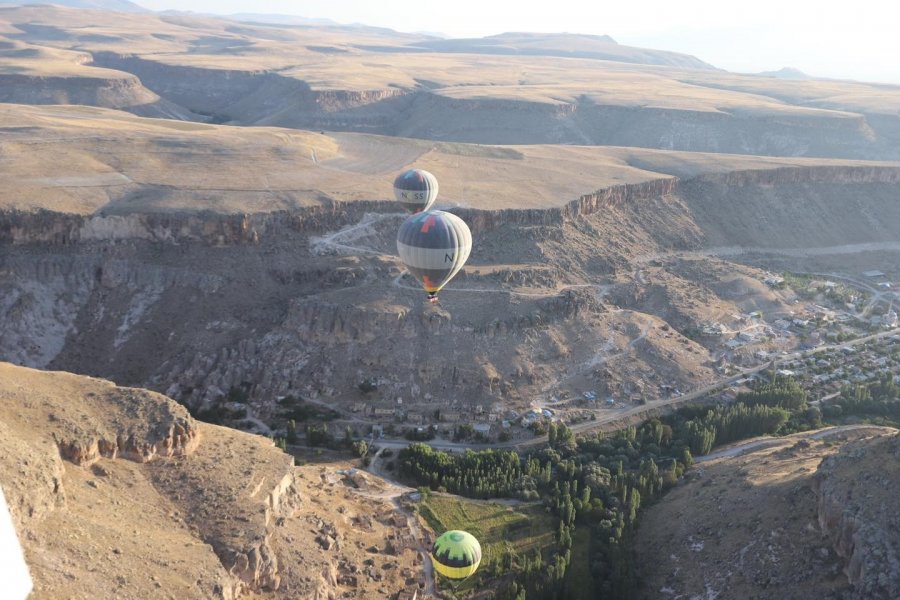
pixel 416 190
pixel 434 246
pixel 456 554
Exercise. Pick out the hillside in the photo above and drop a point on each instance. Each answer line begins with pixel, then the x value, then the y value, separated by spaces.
pixel 118 491
pixel 778 521
pixel 262 263
pixel 113 5
pixel 509 89
pixel 601 47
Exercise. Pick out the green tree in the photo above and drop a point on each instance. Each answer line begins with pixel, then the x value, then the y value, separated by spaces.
pixel 360 448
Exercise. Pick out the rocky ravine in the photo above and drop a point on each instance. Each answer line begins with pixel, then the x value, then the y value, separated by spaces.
pixel 271 98
pixel 119 493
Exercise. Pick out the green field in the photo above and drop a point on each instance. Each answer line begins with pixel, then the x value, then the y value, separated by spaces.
pixel 500 529
pixel 579 583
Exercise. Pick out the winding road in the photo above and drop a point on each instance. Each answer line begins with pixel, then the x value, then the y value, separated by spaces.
pixel 746 446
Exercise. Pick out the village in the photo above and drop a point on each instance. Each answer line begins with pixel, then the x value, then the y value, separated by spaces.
pixel 815 340
pixel 812 342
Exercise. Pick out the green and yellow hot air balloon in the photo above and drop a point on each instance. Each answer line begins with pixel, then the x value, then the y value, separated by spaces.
pixel 456 554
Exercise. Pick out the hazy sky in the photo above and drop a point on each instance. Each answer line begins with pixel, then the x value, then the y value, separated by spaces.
pixel 855 39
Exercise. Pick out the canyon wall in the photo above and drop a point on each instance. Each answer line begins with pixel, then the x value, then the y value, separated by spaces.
pixel 52 228
pixel 271 98
pixel 858 511
pixel 209 307
pixel 64 433
pixel 756 192
pixel 796 207
pixel 113 92
pixel 246 97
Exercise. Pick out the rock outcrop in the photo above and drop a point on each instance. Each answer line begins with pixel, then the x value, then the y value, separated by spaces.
pixel 185 483
pixel 859 510
pixel 691 545
pixel 121 92
pixel 222 516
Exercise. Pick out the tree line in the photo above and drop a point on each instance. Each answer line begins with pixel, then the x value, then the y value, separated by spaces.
pixel 598 482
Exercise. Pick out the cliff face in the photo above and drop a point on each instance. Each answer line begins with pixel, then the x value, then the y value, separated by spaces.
pixel 183 484
pixel 45 227
pixel 858 509
pixel 582 121
pixel 691 545
pixel 271 98
pixel 118 492
pixel 309 303
pixel 796 207
pixel 245 97
pixel 113 92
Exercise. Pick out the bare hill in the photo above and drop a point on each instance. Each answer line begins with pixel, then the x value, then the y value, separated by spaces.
pixel 778 521
pixel 570 45
pixel 119 492
pixel 113 5
pixel 379 81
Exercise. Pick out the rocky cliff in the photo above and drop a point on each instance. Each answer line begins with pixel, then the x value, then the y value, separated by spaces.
pixel 118 492
pixel 858 508
pixel 274 98
pixel 246 97
pixel 796 207
pixel 116 92
pixel 311 302
pixel 61 466
pixel 723 204
pixel 690 544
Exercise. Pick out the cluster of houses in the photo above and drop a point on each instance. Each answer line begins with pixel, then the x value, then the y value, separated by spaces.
pixel 828 371
pixel 442 417
pixel 751 338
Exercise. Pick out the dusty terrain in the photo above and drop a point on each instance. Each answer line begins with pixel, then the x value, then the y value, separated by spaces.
pixel 156 505
pixel 510 89
pixel 773 519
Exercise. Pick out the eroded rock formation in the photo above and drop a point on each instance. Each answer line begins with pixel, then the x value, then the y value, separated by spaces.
pixel 190 483
pixel 268 305
pixel 859 510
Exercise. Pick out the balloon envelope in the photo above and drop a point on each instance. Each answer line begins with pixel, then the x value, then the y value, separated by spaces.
pixel 434 246
pixel 456 554
pixel 416 190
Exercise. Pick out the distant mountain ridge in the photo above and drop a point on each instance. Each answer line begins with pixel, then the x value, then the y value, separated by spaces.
pixel 571 45
pixel 113 5
pixel 786 73
pixel 279 19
